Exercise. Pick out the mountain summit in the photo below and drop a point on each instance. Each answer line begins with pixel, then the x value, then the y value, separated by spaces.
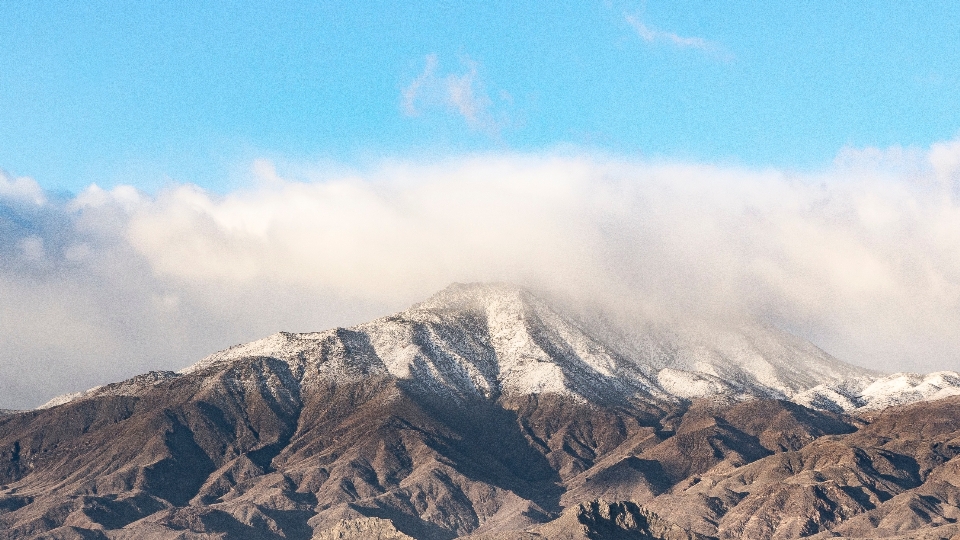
pixel 488 411
pixel 493 339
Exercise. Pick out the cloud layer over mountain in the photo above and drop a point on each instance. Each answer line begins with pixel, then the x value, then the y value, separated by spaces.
pixel 863 258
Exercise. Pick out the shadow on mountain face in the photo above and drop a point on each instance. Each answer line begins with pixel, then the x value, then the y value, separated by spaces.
pixel 269 409
pixel 178 476
pixel 488 445
pixel 384 450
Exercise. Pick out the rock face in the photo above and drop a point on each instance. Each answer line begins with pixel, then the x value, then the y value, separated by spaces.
pixel 485 412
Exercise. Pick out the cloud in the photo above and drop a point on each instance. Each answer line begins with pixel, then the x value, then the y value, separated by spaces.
pixel 863 258
pixel 412 93
pixel 20 189
pixel 459 93
pixel 945 159
pixel 650 34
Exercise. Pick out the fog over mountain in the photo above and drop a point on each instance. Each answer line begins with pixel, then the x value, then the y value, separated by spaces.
pixel 863 259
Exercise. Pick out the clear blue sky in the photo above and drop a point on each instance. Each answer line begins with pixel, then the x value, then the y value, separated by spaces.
pixel 148 92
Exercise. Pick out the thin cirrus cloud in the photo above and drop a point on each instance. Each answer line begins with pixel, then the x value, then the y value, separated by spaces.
pixel 460 93
pixel 862 258
pixel 653 35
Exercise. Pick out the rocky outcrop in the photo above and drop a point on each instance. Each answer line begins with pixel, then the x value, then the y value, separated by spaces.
pixel 615 520
pixel 362 529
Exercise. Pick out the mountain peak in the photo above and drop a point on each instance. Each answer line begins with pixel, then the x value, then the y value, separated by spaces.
pixel 473 293
pixel 498 338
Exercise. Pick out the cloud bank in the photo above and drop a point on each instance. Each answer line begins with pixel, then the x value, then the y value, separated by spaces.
pixel 863 258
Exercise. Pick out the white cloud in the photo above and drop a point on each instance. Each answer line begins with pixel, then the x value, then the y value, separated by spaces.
pixel 864 258
pixel 945 159
pixel 21 189
pixel 650 34
pixel 462 94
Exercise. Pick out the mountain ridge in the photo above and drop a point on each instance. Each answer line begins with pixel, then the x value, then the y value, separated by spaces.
pixel 486 339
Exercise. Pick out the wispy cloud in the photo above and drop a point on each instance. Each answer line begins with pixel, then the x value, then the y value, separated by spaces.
pixel 464 96
pixel 460 93
pixel 424 82
pixel 650 34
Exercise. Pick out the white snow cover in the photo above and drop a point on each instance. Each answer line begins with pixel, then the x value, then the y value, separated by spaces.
pixel 881 392
pixel 124 388
pixel 67 398
pixel 496 339
pixel 687 384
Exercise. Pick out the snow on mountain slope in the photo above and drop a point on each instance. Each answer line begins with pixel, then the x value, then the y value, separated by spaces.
pixel 491 339
pixel 467 340
pixel 508 340
pixel 881 392
pixel 496 339
pixel 752 359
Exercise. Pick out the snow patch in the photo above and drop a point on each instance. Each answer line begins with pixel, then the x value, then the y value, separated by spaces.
pixel 690 385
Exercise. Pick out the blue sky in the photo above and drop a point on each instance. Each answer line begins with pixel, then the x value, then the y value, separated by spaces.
pixel 148 93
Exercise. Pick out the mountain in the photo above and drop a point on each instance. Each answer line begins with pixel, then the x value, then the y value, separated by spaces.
pixel 489 412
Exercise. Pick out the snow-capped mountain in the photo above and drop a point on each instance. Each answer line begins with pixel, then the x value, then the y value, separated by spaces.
pixel 497 339
pixel 488 412
pixel 493 339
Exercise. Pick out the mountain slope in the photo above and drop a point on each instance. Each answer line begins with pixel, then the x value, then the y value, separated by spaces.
pixel 488 340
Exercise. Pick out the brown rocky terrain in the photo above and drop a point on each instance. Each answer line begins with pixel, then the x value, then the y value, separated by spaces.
pixel 237 454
